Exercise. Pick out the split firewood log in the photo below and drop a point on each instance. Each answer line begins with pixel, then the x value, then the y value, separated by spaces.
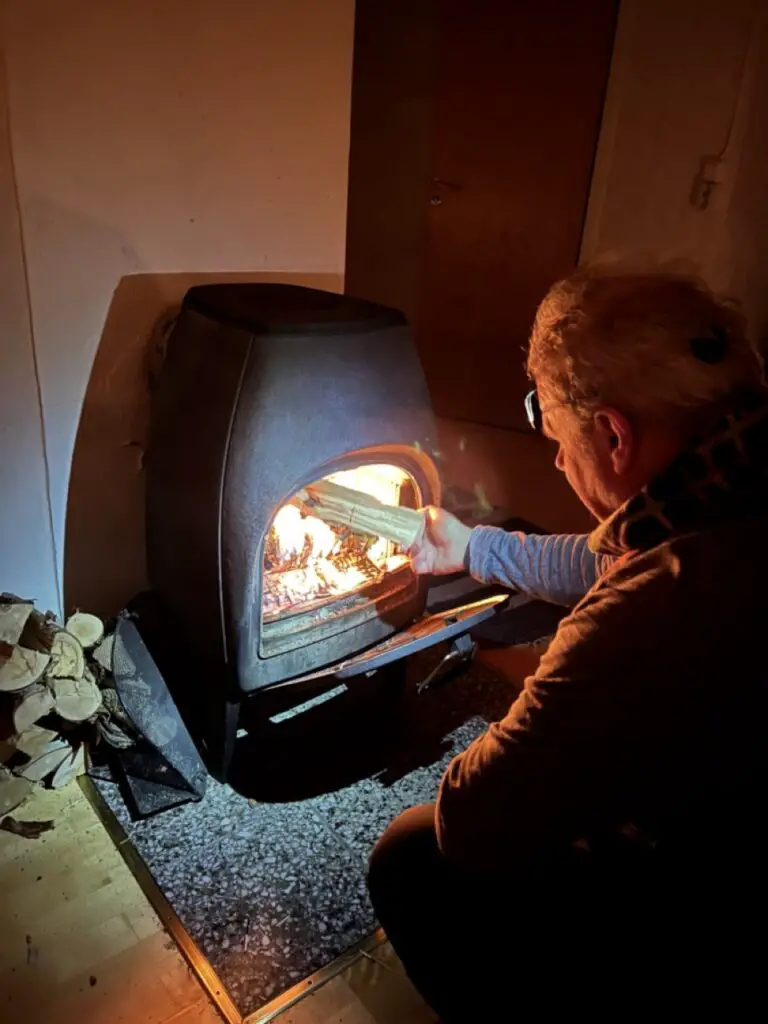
pixel 76 699
pixel 362 513
pixel 102 655
pixel 35 741
pixel 67 657
pixel 13 791
pixel 40 631
pixel 70 768
pixel 13 617
pixel 39 768
pixel 35 702
pixel 88 629
pixel 22 668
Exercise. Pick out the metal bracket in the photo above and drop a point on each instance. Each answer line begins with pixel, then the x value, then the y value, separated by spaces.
pixel 461 652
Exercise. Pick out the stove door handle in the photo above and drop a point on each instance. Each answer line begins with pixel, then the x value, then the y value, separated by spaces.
pixel 462 651
pixel 429 630
pixel 424 633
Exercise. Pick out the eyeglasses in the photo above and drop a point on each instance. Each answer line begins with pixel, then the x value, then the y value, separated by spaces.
pixel 533 410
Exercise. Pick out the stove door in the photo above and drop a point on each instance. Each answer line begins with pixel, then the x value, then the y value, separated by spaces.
pixel 429 630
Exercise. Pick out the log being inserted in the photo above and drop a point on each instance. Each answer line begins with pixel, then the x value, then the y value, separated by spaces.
pixel 362 513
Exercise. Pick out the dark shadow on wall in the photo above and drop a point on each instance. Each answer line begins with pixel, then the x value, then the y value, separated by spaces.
pixel 104 554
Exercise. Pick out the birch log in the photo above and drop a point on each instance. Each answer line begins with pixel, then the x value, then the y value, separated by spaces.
pixel 22 668
pixel 362 513
pixel 13 617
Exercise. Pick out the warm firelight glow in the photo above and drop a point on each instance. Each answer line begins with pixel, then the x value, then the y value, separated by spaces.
pixel 306 559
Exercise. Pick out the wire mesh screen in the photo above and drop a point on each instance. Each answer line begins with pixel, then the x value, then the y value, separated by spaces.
pixel 164 768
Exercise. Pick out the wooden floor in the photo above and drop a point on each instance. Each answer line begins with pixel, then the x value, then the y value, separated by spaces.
pixel 79 940
pixel 80 944
pixel 371 991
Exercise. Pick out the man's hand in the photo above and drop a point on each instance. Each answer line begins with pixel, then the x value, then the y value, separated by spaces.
pixel 442 546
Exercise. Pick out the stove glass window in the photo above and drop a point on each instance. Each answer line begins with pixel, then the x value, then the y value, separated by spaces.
pixel 309 562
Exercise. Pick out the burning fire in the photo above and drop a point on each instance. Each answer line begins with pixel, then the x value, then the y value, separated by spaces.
pixel 306 559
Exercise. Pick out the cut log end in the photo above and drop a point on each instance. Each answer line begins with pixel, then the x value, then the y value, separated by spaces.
pixel 75 700
pixel 22 669
pixel 67 657
pixel 88 629
pixel 35 703
pixel 13 617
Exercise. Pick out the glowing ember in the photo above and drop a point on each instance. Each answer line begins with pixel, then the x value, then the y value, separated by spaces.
pixel 306 559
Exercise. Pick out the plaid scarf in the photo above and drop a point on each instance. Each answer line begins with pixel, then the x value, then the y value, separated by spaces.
pixel 718 478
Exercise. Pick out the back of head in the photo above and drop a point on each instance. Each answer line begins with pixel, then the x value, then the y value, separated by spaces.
pixel 655 346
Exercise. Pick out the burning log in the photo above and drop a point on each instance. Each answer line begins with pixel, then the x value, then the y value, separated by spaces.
pixel 362 513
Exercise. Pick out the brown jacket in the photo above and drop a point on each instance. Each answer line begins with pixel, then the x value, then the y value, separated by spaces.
pixel 645 716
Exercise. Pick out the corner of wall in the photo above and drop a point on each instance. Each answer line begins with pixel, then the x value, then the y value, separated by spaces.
pixel 28 563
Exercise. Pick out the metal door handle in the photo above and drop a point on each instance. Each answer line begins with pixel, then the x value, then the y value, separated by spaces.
pixel 461 652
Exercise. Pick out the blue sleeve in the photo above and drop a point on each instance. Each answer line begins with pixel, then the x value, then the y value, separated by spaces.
pixel 559 567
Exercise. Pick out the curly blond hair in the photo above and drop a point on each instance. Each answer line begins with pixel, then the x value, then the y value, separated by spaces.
pixel 655 344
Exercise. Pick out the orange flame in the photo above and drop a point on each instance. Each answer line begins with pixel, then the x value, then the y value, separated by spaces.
pixel 308 559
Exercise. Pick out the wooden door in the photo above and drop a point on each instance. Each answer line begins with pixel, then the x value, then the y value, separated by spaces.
pixel 518 100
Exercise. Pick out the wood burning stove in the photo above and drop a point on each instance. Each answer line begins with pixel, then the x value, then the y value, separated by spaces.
pixel 266 389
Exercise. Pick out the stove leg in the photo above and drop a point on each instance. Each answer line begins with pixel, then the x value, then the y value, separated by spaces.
pixel 220 738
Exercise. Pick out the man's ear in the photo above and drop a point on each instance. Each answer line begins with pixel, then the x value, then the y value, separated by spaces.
pixel 616 437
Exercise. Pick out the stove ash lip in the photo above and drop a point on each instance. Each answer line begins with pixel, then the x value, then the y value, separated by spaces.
pixel 387 592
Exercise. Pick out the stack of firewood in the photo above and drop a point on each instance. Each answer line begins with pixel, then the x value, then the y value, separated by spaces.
pixel 58 698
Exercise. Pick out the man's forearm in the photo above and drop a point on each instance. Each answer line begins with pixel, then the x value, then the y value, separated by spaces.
pixel 559 567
